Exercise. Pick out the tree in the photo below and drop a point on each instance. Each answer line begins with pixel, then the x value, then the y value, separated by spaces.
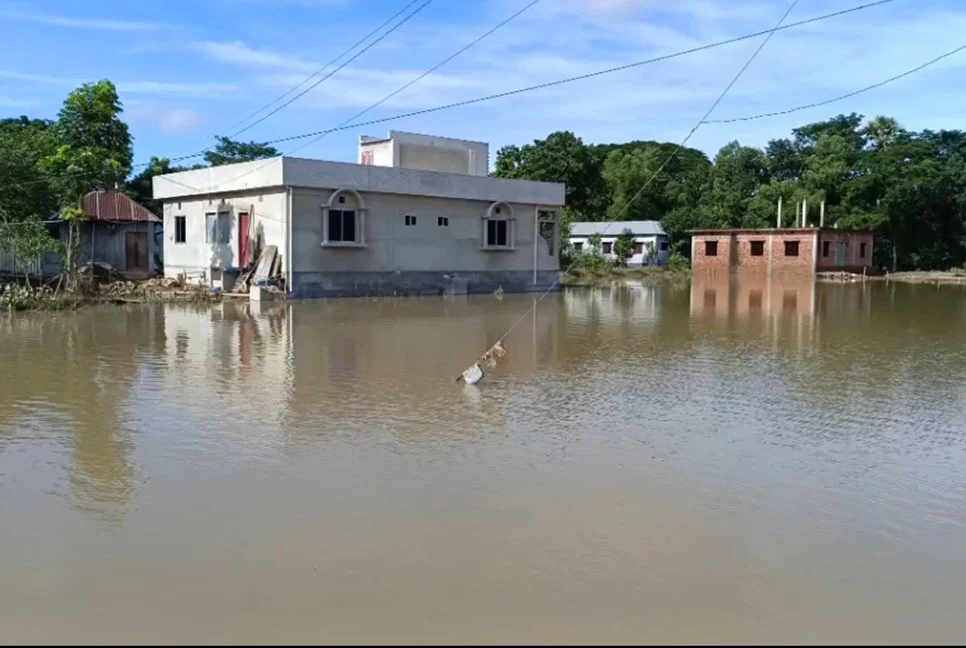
pixel 24 190
pixel 228 151
pixel 141 187
pixel 94 152
pixel 882 132
pixel 739 172
pixel 561 157
pixel 29 240
pixel 624 247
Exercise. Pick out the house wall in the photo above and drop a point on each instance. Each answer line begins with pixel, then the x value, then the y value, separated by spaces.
pixel 660 256
pixel 401 259
pixel 734 252
pixel 853 261
pixel 701 261
pixel 382 151
pixel 109 242
pixel 195 257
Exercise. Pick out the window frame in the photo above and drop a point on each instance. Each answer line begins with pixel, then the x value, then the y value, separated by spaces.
pixel 442 221
pixel 757 244
pixel 826 248
pixel 182 221
pixel 862 249
pixel 337 204
pixel 495 213
pixel 222 229
pixel 342 215
pixel 711 248
pixel 797 249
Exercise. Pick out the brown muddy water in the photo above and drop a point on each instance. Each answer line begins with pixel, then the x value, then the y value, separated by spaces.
pixel 760 462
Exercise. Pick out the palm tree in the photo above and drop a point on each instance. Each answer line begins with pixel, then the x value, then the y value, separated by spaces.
pixel 882 132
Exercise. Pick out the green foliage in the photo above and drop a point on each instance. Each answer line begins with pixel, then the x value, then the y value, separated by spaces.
pixel 908 188
pixel 562 157
pixel 24 190
pixel 29 240
pixel 624 247
pixel 592 258
pixel 140 187
pixel 228 151
pixel 678 261
pixel 94 145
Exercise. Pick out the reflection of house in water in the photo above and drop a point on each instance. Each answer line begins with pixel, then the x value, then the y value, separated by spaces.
pixel 235 352
pixel 754 300
pixel 636 302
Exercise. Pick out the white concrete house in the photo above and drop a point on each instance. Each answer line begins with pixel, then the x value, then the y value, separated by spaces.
pixel 350 229
pixel 426 153
pixel 650 242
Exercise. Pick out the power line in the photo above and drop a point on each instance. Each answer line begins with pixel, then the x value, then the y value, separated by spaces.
pixel 841 97
pixel 619 68
pixel 313 75
pixel 322 69
pixel 674 153
pixel 345 124
pixel 558 82
pixel 342 65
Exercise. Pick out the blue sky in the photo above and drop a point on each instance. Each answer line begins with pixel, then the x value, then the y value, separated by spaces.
pixel 188 70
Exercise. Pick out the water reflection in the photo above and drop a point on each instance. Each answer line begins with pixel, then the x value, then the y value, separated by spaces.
pixel 678 457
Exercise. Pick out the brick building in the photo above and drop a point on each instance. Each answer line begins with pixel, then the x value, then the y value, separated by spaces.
pixel 799 250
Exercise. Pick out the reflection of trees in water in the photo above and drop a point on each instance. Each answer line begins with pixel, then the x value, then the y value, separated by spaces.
pixel 81 365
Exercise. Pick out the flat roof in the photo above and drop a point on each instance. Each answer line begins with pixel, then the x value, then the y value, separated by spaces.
pixel 614 228
pixel 776 230
pixel 279 172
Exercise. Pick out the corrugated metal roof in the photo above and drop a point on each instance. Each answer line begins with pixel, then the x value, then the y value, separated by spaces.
pixel 115 207
pixel 612 228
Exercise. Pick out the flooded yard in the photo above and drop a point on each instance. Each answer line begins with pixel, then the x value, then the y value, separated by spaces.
pixel 758 461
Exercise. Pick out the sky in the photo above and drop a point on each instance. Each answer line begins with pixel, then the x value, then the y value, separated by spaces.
pixel 189 70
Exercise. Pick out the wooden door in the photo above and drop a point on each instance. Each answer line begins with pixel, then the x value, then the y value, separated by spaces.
pixel 244 221
pixel 136 247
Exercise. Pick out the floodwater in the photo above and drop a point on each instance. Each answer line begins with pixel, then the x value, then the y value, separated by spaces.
pixel 721 462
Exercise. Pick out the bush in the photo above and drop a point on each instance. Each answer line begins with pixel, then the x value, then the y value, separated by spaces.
pixel 678 261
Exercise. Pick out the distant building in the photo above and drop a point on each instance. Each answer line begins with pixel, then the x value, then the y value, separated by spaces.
pixel 116 231
pixel 425 153
pixel 350 229
pixel 650 241
pixel 803 250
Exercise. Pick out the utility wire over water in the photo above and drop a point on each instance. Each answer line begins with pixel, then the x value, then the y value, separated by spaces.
pixel 474 373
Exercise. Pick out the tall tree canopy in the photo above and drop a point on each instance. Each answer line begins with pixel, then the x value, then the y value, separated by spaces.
pixel 228 151
pixel 909 188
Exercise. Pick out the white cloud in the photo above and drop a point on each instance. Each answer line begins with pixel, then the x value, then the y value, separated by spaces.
pixel 240 54
pixel 168 120
pixel 79 22
pixel 201 89
pixel 179 121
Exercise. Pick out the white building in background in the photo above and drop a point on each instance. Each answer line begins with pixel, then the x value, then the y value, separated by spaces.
pixel 651 246
pixel 425 153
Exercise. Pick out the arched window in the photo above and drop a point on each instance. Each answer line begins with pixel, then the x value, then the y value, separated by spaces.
pixel 344 219
pixel 498 227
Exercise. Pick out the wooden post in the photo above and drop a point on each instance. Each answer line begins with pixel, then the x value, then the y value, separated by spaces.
pixel 779 213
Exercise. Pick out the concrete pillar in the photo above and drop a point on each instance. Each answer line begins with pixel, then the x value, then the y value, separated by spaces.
pixel 821 215
pixel 804 212
pixel 779 223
